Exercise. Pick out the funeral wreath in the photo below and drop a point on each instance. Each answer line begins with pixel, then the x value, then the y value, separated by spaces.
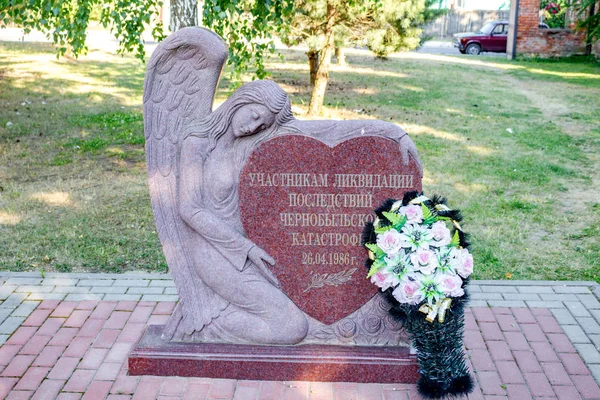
pixel 419 258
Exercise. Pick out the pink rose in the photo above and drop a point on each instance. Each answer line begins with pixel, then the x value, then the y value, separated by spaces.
pixel 462 262
pixel 413 213
pixel 390 242
pixel 408 292
pixel 424 261
pixel 440 234
pixel 384 280
pixel 451 285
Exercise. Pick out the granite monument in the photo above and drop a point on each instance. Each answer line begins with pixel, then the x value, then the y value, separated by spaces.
pixel 260 216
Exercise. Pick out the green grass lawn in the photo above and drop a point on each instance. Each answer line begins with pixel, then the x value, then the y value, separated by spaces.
pixel 515 145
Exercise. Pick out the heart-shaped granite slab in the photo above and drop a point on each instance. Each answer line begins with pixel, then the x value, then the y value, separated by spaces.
pixel 306 203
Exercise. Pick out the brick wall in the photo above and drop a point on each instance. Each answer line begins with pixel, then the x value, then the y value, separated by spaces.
pixel 546 42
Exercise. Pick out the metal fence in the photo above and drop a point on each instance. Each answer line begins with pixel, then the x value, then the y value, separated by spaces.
pixel 456 21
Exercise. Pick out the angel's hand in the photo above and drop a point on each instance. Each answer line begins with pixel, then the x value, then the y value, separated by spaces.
pixel 259 258
pixel 408 149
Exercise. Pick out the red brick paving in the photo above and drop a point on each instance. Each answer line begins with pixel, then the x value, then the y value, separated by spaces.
pixel 38 317
pixel 7 352
pixel 64 309
pixel 32 379
pixel 125 384
pixel 544 351
pixel 22 335
pixel 91 327
pixel 77 318
pixel 78 347
pixel 535 361
pixel 574 364
pixel 509 372
pixel 49 389
pixel 18 366
pixel 490 331
pixel 69 396
pixel 63 337
pixel 532 332
pixel 48 356
pixel 126 306
pixel 523 315
pixel 588 389
pixel 93 358
pixel 51 326
pixel 77 350
pixel 499 350
pixel 507 321
pixel 561 343
pixel 98 390
pixel 80 380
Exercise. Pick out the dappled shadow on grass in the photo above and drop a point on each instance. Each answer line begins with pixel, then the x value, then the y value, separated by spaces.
pixel 37 72
pixel 74 149
pixel 112 233
pixel 578 71
pixel 126 75
pixel 45 105
pixel 484 145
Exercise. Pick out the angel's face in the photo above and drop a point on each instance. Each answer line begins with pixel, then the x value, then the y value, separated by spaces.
pixel 251 119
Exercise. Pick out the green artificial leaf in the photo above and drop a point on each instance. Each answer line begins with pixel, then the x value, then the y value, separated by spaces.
pixel 400 224
pixel 392 217
pixel 426 211
pixel 375 249
pixel 455 242
pixel 377 265
pixel 382 229
pixel 379 254
pixel 428 217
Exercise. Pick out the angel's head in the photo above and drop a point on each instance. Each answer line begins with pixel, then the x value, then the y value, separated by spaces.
pixel 258 106
pixel 255 107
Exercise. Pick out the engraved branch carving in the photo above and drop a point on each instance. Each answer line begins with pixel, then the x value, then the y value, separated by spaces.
pixel 320 280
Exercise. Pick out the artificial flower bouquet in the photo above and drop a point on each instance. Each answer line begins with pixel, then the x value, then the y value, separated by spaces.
pixel 419 258
pixel 552 8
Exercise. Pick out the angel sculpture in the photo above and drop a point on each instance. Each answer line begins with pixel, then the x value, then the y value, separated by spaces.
pixel 194 158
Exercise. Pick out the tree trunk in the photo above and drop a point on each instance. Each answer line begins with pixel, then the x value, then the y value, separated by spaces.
pixel 184 13
pixel 313 64
pixel 340 54
pixel 322 76
pixel 588 45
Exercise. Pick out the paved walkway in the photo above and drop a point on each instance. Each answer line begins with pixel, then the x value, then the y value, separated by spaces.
pixel 67 336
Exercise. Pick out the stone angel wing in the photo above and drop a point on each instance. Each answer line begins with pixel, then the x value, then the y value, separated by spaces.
pixel 180 85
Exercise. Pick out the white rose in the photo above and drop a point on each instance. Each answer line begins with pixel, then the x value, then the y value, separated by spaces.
pixel 390 242
pixel 462 262
pixel 440 234
pixel 413 213
pixel 424 261
pixel 408 292
pixel 383 280
pixel 451 285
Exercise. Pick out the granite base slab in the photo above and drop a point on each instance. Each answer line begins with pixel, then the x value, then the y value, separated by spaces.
pixel 321 363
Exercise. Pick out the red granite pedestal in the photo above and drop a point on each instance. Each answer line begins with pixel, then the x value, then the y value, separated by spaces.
pixel 325 363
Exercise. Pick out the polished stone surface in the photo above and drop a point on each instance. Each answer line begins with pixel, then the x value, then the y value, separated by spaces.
pixel 322 363
pixel 307 208
pixel 235 287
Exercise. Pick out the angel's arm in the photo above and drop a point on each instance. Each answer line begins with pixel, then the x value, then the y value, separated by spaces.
pixel 227 240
